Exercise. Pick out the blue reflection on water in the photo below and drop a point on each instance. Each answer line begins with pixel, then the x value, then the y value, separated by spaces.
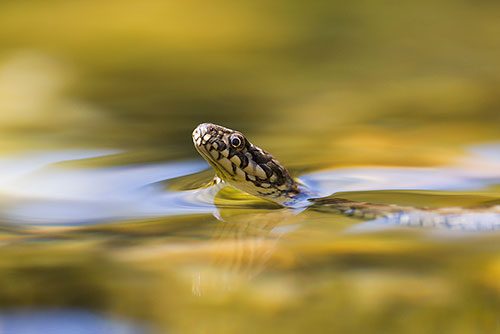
pixel 35 190
pixel 42 192
pixel 63 322
pixel 478 170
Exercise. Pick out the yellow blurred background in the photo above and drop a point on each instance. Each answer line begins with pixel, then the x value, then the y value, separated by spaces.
pixel 332 79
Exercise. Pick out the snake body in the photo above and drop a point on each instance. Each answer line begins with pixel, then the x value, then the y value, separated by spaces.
pixel 251 169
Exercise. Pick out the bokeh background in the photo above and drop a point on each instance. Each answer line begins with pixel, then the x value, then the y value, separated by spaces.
pixel 320 84
pixel 337 81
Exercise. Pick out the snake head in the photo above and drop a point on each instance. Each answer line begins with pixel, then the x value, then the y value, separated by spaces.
pixel 243 165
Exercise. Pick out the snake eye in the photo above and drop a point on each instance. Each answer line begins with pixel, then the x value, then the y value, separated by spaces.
pixel 236 141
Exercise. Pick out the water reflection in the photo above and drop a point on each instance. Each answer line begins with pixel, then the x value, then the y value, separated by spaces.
pixel 149 242
pixel 38 190
pixel 478 170
pixel 243 245
pixel 36 321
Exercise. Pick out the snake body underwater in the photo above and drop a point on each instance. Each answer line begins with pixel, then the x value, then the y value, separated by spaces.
pixel 251 169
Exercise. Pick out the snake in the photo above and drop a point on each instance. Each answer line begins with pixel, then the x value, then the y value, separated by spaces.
pixel 248 168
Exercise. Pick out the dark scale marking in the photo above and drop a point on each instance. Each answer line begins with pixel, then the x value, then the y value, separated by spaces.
pixel 266 170
pixel 211 140
pixel 248 179
pixel 259 156
pixel 234 167
pixel 222 145
pixel 280 174
pixel 270 166
pixel 219 156
pixel 243 160
pixel 231 153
